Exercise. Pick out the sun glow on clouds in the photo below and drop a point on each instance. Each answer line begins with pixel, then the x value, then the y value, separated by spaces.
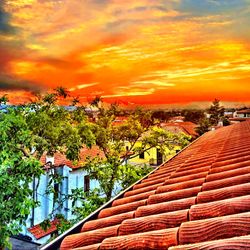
pixel 137 50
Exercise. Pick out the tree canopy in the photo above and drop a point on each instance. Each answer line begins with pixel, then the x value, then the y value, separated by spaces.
pixel 122 142
pixel 26 133
pixel 216 112
pixel 44 126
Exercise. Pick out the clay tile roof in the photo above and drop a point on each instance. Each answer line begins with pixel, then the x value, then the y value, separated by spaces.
pixel 39 233
pixel 244 111
pixel 177 127
pixel 60 159
pixel 199 199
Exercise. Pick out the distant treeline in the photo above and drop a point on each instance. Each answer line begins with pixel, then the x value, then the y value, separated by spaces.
pixel 192 115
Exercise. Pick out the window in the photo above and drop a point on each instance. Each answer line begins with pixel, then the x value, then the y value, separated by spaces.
pixel 56 192
pixel 159 157
pixel 141 155
pixel 86 183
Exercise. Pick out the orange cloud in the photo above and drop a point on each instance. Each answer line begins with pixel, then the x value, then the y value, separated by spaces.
pixel 143 51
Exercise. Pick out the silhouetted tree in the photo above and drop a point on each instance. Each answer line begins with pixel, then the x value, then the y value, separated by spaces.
pixel 193 115
pixel 216 112
pixel 203 126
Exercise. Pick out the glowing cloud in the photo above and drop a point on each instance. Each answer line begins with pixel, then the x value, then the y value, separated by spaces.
pixel 144 51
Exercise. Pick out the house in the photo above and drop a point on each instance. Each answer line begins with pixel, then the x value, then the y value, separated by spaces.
pixel 119 120
pixel 154 156
pixel 240 116
pixel 198 199
pixel 74 176
pixel 20 242
pixel 176 119
pixel 229 112
pixel 187 128
pixel 244 113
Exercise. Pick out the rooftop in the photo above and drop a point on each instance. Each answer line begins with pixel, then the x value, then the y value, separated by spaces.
pixel 177 127
pixel 39 232
pixel 244 111
pixel 199 199
pixel 60 159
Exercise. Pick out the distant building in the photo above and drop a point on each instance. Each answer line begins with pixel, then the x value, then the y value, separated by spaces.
pixel 240 116
pixel 73 177
pixel 245 113
pixel 229 112
pixel 154 156
pixel 180 127
pixel 120 120
pixel 176 119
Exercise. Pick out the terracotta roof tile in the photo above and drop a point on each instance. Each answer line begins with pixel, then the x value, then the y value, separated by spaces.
pixel 232 161
pixel 223 193
pixel 121 209
pixel 107 221
pixel 236 150
pixel 165 207
pixel 180 185
pixel 60 159
pixel 200 163
pixel 232 156
pixel 142 190
pixel 229 173
pixel 132 198
pixel 161 172
pixel 195 170
pixel 153 222
pixel 186 178
pixel 160 239
pixel 173 195
pixel 227 182
pixel 214 228
pixel 39 233
pixel 157 177
pixel 89 247
pixel 153 182
pixel 200 199
pixel 229 167
pixel 220 208
pixel 89 238
pixel 186 167
pixel 236 243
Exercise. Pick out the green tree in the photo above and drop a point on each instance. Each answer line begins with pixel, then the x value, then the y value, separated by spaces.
pixel 225 121
pixel 193 115
pixel 120 143
pixel 216 112
pixel 26 133
pixel 203 126
pixel 17 170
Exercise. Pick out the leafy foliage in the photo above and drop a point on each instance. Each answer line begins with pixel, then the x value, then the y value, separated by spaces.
pixel 17 171
pixel 26 133
pixel 119 143
pixel 203 126
pixel 216 112
pixel 193 115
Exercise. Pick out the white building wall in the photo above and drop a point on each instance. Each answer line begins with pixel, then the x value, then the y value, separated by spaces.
pixel 72 179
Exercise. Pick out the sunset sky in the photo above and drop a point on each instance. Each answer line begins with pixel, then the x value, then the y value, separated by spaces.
pixel 135 51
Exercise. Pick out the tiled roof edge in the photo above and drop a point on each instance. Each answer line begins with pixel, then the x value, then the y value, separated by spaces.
pixel 55 244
